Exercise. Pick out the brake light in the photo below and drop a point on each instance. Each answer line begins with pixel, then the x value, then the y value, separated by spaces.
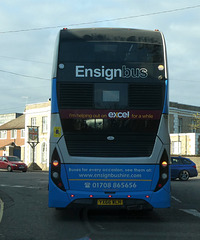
pixel 56 170
pixel 164 164
pixel 164 171
pixel 55 163
pixel 194 166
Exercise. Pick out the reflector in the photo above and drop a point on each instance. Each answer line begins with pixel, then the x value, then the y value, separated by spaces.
pixel 164 176
pixel 55 174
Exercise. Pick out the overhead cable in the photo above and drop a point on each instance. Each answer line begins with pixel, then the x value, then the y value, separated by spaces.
pixel 23 75
pixel 101 21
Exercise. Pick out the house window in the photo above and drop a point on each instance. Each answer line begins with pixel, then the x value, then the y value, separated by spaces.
pixel 193 126
pixel 33 121
pixel 44 152
pixel 14 133
pixel 44 125
pixel 180 125
pixel 22 133
pixel 3 134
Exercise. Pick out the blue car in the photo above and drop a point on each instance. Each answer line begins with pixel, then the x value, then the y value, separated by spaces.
pixel 182 168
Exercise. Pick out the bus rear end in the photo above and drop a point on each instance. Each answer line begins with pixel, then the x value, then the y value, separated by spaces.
pixel 109 126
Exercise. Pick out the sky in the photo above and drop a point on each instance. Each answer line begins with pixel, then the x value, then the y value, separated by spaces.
pixel 28 30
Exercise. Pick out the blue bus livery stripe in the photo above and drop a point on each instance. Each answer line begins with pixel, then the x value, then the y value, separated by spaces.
pixel 166 102
pixel 54 101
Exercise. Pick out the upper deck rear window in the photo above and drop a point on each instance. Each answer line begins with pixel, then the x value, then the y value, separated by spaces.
pixel 110 52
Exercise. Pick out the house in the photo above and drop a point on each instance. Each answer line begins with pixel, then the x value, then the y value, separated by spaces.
pixel 185 139
pixel 7 117
pixel 12 137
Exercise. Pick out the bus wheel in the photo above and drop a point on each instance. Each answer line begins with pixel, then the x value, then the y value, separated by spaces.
pixel 184 175
pixel 9 169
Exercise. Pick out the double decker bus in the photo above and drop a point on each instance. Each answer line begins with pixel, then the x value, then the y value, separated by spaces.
pixel 109 143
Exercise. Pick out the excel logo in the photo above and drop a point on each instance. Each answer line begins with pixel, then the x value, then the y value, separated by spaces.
pixel 118 114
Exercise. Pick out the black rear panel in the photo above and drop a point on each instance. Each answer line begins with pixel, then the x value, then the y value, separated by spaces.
pixel 110 137
pixel 146 96
pixel 139 96
pixel 93 145
pixel 90 137
pixel 76 96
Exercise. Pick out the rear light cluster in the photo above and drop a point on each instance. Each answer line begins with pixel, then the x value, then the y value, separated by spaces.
pixel 56 170
pixel 164 171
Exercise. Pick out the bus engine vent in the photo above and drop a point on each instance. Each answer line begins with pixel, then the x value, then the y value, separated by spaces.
pixel 76 96
pixel 146 96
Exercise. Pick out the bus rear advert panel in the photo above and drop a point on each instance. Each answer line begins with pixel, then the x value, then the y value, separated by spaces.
pixel 109 140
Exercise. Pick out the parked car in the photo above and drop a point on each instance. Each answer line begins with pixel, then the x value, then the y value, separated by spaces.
pixel 12 163
pixel 183 168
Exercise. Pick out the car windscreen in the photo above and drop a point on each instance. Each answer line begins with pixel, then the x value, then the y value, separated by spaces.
pixel 14 159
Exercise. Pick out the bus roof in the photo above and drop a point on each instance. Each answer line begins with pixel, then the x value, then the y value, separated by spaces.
pixel 111 34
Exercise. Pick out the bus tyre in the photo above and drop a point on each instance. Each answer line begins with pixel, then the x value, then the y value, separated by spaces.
pixel 184 175
pixel 9 169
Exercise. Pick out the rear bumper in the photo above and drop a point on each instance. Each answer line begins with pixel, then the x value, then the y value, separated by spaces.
pixel 129 204
pixel 136 200
pixel 19 168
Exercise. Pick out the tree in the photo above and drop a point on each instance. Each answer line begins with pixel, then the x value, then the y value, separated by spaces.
pixel 196 122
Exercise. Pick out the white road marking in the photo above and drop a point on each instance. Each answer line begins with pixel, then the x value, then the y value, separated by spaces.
pixel 176 199
pixel 18 186
pixel 1 209
pixel 193 212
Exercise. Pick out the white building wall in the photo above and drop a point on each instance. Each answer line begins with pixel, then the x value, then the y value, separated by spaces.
pixel 184 143
pixel 37 111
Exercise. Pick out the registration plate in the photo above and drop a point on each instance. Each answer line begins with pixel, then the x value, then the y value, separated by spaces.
pixel 110 202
